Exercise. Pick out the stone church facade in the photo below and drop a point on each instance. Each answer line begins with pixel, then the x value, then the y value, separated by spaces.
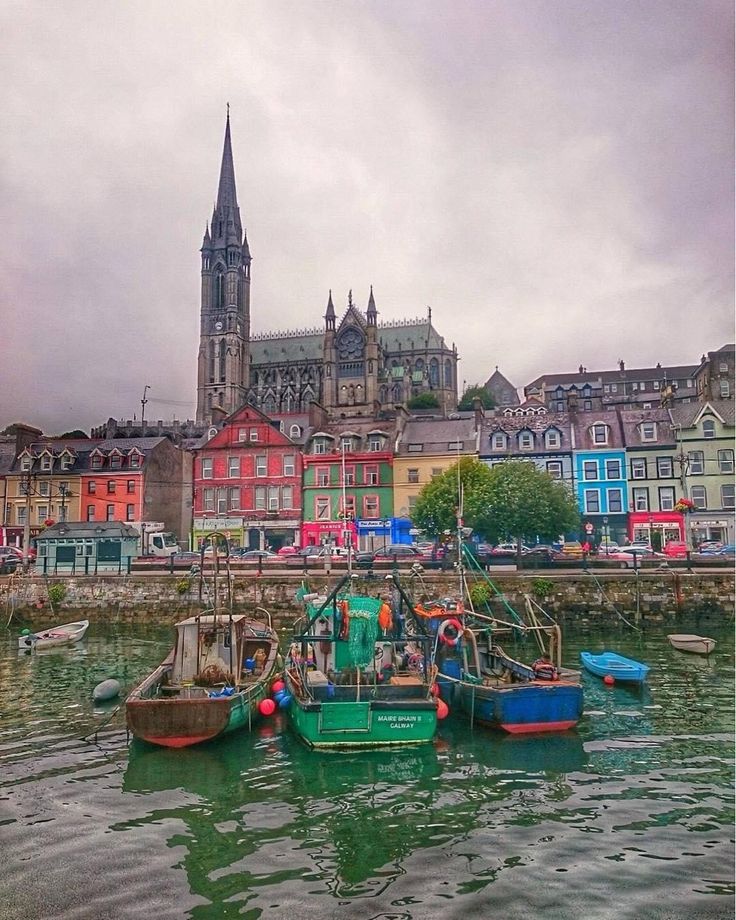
pixel 352 365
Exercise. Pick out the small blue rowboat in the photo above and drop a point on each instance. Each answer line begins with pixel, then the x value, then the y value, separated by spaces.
pixel 609 664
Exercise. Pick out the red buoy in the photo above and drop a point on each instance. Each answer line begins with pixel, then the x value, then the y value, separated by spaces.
pixel 435 689
pixel 443 710
pixel 276 686
pixel 609 680
pixel 267 707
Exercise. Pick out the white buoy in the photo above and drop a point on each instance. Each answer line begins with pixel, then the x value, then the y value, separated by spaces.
pixel 107 690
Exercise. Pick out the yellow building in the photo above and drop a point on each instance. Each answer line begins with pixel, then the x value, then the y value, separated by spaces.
pixel 427 447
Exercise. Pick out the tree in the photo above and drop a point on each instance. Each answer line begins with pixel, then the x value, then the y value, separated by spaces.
pixel 424 401
pixel 511 501
pixel 476 392
pixel 77 433
pixel 436 507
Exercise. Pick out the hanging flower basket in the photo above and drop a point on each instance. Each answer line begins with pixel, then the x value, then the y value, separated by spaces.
pixel 49 522
pixel 683 505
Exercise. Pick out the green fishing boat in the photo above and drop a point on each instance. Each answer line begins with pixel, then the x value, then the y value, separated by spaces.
pixel 357 675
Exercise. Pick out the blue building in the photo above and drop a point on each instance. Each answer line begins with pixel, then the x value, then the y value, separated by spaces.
pixel 599 462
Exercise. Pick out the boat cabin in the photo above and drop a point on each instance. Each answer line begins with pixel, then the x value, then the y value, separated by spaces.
pixel 218 649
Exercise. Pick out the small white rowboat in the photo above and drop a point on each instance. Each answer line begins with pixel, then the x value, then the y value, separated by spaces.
pixel 67 634
pixel 684 642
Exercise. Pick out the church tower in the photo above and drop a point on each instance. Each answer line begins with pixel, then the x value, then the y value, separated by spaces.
pixel 224 334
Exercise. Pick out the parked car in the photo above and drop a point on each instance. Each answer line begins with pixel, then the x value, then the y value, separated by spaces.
pixel 18 552
pixel 541 551
pixel 183 558
pixel 507 549
pixel 287 551
pixel 402 552
pixel 571 549
pixel 729 549
pixel 642 546
pixel 257 555
pixel 606 549
pixel 675 549
pixel 630 556
pixel 9 563
pixel 709 546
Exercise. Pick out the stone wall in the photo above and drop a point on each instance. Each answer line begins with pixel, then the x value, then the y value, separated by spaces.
pixel 576 601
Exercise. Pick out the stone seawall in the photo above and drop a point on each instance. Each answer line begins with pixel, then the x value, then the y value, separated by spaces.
pixel 577 601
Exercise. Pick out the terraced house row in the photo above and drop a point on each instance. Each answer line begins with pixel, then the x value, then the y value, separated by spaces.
pixel 357 479
pixel 313 479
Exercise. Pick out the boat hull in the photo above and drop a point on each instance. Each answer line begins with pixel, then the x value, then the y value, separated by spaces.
pixel 609 664
pixel 56 637
pixel 178 723
pixel 370 723
pixel 698 645
pixel 538 706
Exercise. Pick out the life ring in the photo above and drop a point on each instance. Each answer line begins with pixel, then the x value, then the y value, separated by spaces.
pixel 450 631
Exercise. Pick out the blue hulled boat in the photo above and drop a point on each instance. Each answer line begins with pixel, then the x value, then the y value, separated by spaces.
pixel 610 664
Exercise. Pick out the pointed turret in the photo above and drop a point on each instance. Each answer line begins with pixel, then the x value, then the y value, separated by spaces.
pixel 207 241
pixel 330 313
pixel 371 312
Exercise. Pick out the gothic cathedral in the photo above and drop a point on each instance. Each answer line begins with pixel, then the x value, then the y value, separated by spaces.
pixel 351 366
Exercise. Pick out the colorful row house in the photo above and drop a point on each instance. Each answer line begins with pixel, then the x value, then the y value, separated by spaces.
pixel 248 484
pixel 426 448
pixel 704 436
pixel 348 484
pixel 124 479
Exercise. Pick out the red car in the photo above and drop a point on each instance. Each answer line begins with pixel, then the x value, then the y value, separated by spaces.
pixel 675 549
pixel 17 551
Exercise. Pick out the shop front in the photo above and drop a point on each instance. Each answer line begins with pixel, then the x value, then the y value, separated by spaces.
pixel 706 526
pixel 656 527
pixel 333 533
pixel 373 535
pixel 258 533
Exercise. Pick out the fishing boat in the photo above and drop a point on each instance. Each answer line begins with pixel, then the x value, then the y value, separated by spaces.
pixel 356 675
pixel 684 642
pixel 490 687
pixel 211 683
pixel 610 664
pixel 67 634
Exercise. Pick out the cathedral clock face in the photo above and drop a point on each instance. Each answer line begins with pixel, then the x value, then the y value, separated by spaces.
pixel 218 325
pixel 351 345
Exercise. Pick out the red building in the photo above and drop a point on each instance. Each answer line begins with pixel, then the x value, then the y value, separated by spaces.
pixel 248 483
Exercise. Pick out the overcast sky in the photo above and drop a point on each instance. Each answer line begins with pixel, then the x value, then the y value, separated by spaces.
pixel 554 178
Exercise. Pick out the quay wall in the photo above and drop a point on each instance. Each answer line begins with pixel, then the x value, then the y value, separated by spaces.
pixel 679 601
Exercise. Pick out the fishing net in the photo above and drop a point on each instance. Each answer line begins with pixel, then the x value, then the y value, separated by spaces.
pixel 363 618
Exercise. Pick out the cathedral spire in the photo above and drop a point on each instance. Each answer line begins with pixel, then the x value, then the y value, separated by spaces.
pixel 371 312
pixel 226 195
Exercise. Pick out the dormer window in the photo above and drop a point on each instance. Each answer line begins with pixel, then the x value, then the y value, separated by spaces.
pixel 319 446
pixel 649 431
pixel 116 460
pixel 526 440
pixel 47 461
pixel 26 463
pixel 295 431
pixel 709 428
pixel 508 413
pixel 600 434
pixel 347 444
pixel 498 441
pixel 96 461
pixel 65 460
pixel 134 459
pixel 552 438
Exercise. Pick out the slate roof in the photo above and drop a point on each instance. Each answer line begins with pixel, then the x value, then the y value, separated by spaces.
pixel 83 447
pixel 598 378
pixel 436 434
pixel 631 419
pixel 307 344
pixel 7 454
pixel 582 424
pixel 686 414
pixel 86 530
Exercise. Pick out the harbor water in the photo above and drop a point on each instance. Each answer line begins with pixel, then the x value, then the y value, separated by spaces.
pixel 628 817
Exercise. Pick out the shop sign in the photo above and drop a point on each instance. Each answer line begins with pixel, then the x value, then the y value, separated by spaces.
pixel 374 525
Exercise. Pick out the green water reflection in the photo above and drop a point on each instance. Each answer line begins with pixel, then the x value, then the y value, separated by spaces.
pixel 260 826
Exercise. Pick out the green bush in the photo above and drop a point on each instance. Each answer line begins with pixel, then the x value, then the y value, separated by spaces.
pixel 57 593
pixel 182 587
pixel 480 594
pixel 542 587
